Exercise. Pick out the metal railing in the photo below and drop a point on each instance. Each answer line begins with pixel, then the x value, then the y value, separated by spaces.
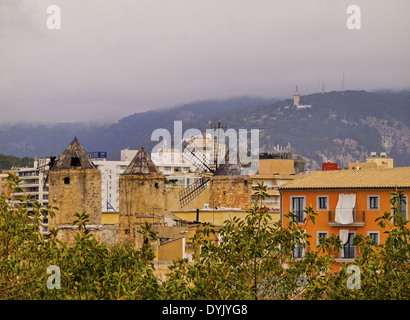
pixel 358 216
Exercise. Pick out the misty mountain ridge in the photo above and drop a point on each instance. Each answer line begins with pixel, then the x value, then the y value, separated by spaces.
pixel 339 127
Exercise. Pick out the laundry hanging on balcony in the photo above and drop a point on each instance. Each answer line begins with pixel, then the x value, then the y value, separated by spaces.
pixel 345 207
pixel 344 235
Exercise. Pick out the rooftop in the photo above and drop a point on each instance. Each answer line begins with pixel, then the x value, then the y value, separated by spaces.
pixel 73 157
pixel 142 164
pixel 352 179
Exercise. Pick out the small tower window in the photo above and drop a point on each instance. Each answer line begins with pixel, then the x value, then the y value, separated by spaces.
pixel 156 184
pixel 75 162
pixel 66 180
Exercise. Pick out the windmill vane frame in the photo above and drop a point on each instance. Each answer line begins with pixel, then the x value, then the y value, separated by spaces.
pixel 199 160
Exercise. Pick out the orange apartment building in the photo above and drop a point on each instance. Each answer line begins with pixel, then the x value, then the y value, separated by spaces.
pixel 347 202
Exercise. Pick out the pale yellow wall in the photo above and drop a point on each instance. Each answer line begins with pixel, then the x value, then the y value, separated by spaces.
pixel 362 165
pixel 172 250
pixel 281 166
pixel 110 218
pixel 217 217
pixel 381 162
pixel 171 199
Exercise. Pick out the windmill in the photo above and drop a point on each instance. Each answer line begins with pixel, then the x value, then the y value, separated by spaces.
pixel 201 162
pixel 44 165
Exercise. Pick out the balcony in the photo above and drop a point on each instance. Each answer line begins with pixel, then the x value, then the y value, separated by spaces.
pixel 358 219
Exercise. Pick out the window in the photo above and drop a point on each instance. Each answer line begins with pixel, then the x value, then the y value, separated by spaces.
pixel 349 250
pixel 75 162
pixel 373 202
pixel 298 251
pixel 298 204
pixel 375 236
pixel 321 234
pixel 167 168
pixel 403 204
pixel 322 202
pixel 66 180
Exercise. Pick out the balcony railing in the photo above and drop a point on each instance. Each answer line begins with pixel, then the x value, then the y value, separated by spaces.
pixel 359 218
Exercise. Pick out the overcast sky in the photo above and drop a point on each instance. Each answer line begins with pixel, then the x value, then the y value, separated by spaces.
pixel 113 58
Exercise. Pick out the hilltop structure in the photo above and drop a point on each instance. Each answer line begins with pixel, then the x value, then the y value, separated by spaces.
pixel 296 98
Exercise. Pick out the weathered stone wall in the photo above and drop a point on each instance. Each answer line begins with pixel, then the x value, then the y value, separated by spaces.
pixel 231 192
pixel 139 194
pixel 74 190
pixel 67 234
pixel 110 233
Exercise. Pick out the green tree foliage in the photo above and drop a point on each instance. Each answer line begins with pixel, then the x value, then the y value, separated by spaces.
pixel 243 259
pixel 89 269
pixel 7 162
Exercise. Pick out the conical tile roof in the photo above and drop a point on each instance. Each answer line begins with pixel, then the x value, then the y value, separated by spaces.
pixel 141 164
pixel 74 157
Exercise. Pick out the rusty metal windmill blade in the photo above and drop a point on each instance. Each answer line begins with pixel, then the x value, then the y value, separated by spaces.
pixel 198 159
pixel 192 191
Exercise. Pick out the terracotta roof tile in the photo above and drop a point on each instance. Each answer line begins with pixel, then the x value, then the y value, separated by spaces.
pixel 352 179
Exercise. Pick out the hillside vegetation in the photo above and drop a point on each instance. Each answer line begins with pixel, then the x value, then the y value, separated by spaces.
pixel 339 126
pixel 7 162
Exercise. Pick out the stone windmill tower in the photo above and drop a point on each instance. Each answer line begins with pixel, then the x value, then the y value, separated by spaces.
pixel 74 186
pixel 142 191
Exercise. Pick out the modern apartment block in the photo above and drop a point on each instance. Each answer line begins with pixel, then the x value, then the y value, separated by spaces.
pixel 373 162
pixel 3 184
pixel 347 202
pixel 275 169
pixel 35 183
pixel 110 173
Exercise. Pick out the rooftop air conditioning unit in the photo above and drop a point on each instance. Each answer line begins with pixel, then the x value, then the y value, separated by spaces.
pixel 373 154
pixel 383 154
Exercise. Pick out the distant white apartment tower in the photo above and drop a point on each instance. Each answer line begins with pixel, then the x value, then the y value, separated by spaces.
pixel 110 174
pixel 34 183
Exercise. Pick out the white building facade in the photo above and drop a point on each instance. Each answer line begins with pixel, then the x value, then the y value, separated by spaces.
pixel 34 183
